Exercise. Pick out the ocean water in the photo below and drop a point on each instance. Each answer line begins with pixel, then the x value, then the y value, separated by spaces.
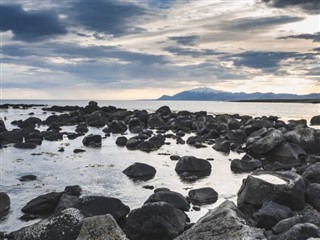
pixel 99 171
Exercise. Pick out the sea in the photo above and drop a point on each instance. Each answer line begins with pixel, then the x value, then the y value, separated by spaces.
pixel 99 171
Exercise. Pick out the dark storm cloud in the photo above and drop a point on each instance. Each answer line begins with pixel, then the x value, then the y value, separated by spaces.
pixel 185 40
pixel 250 23
pixel 30 25
pixel 191 52
pixel 314 37
pixel 110 17
pixel 309 6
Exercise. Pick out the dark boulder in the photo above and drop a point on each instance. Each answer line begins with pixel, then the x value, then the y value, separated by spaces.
pixel 121 141
pixel 301 231
pixel 312 173
pixel 13 136
pixel 63 226
pixel 99 205
pixel 225 222
pixel 270 214
pixel 306 138
pixel 241 166
pixel 222 145
pixel 202 196
pixel 134 123
pixel 268 142
pixel 92 140
pixel 237 136
pixel 288 150
pixel 315 120
pixel 25 145
pixel 43 204
pixel 192 165
pixel 67 201
pixel 175 157
pixel 157 221
pixel 155 121
pixel 4 202
pixel 313 195
pixel 116 127
pixel 175 199
pixel 27 178
pixel 164 111
pixel 55 136
pixel 286 188
pixel 133 143
pixel 74 190
pixel 140 171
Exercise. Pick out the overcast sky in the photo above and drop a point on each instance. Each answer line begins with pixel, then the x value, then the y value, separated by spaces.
pixel 138 49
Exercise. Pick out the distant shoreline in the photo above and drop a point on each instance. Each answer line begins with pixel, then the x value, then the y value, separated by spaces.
pixel 282 100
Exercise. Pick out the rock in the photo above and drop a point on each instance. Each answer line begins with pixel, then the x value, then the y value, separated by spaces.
pixel 301 232
pixel 304 137
pixel 121 141
pixel 315 120
pixel 54 137
pixel 285 224
pixel 74 190
pixel 159 221
pixel 4 202
pixel 140 171
pixel 202 196
pixel 268 142
pixel 99 205
pixel 286 188
pixel 297 123
pixel 13 136
pixel 237 136
pixel 225 222
pixel 162 189
pixel 92 140
pixel 43 204
pixel 101 227
pixel 288 150
pixel 270 214
pixel 313 195
pixel 134 123
pixel 63 226
pixel 222 145
pixel 77 150
pixel 164 111
pixel 150 187
pixel 175 157
pixel 132 143
pixel 27 178
pixel 192 164
pixel 312 173
pixel 241 166
pixel 116 127
pixel 175 199
pixel 66 201
pixel 155 121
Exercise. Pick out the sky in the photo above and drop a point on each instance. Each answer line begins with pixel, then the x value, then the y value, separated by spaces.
pixel 142 49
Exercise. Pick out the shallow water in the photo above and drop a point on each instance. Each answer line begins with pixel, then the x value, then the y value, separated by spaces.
pixel 99 171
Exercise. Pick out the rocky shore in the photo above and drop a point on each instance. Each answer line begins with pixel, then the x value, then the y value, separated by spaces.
pixel 279 199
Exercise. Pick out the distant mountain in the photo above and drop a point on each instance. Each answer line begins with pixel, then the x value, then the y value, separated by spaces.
pixel 209 94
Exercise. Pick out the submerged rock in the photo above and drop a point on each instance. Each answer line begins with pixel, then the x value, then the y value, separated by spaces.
pixel 27 178
pixel 140 171
pixel 158 221
pixel 225 222
pixel 202 196
pixel 192 165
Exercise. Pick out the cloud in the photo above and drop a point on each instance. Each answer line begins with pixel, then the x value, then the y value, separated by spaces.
pixel 309 6
pixel 30 25
pixel 185 40
pixel 252 23
pixel 315 37
pixel 178 51
pixel 111 17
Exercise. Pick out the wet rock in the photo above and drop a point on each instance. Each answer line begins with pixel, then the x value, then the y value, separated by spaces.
pixel 268 142
pixel 67 201
pixel 99 205
pixel 30 122
pixel 315 120
pixel 175 157
pixel 270 214
pixel 241 166
pixel 192 164
pixel 77 150
pixel 222 145
pixel 74 190
pixel 175 199
pixel 278 166
pixel 305 137
pixel 25 145
pixel 301 231
pixel 13 136
pixel 285 224
pixel 286 188
pixel 121 141
pixel 163 189
pixel 164 111
pixel 155 121
pixel 101 227
pixel 150 187
pixel 82 129
pixel 27 178
pixel 313 195
pixel 63 226
pixel 43 204
pixel 54 137
pixel 72 136
pixel 61 149
pixel 134 123
pixel 297 123
pixel 237 136
pixel 92 140
pixel 155 221
pixel 140 171
pixel 225 222
pixel 36 141
pixel 116 127
pixel 4 202
pixel 288 150
pixel 312 173
pixel 202 196
pixel 133 143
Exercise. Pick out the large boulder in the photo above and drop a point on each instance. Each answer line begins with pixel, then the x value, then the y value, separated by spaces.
pixel 305 137
pixel 268 142
pixel 140 171
pixel 313 195
pixel 101 227
pixel 202 196
pixel 312 173
pixel 173 198
pixel 4 202
pixel 302 231
pixel 116 127
pixel 92 140
pixel 225 222
pixel 158 221
pixel 67 201
pixel 192 164
pixel 222 145
pixel 286 188
pixel 288 150
pixel 121 141
pixel 99 205
pixel 43 204
pixel 315 120
pixel 63 226
pixel 241 166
